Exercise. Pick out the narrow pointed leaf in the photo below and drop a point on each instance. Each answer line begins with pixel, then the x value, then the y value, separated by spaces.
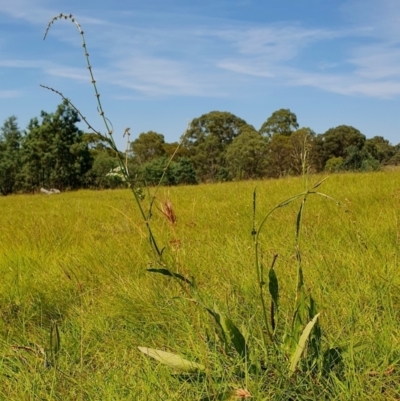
pixel 274 292
pixel 166 272
pixel 320 182
pixel 172 360
pixel 254 231
pixel 231 332
pixel 299 216
pixel 272 312
pixel 288 201
pixel 273 286
pixel 294 360
pixel 358 347
pixel 55 341
pixel 328 197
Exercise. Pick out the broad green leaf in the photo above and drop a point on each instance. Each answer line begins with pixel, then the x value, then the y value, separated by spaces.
pixel 172 360
pixel 166 272
pixel 231 332
pixel 294 360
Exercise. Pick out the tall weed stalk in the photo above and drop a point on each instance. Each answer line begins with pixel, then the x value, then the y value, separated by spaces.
pixel 300 344
pixel 109 138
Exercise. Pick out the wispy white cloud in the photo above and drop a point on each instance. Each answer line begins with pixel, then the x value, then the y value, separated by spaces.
pixel 372 69
pixel 349 85
pixel 381 19
pixel 8 94
pixel 325 65
pixel 76 74
pixel 196 59
pixel 21 63
pixel 377 61
pixel 277 43
pixel 38 12
pixel 157 76
pixel 199 61
pixel 209 62
pixel 255 68
pixel 26 10
pixel 48 67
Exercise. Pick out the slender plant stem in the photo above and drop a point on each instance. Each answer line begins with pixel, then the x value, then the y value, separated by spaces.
pixel 110 139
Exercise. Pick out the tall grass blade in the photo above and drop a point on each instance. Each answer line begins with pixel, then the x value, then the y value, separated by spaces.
pixel 55 341
pixel 299 218
pixel 288 201
pixel 254 231
pixel 327 197
pixel 172 360
pixel 316 185
pixel 166 272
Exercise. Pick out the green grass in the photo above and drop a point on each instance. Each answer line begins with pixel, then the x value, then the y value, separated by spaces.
pixel 80 259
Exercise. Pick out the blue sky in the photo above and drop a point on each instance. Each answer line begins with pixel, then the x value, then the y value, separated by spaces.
pixel 160 64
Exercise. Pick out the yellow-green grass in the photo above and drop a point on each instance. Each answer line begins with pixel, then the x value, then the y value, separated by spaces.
pixel 80 259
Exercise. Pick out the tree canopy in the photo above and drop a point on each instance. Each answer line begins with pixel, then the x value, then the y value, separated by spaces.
pixel 10 158
pixel 218 146
pixel 220 124
pixel 207 140
pixel 334 143
pixel 148 146
pixel 54 153
pixel 247 155
pixel 282 122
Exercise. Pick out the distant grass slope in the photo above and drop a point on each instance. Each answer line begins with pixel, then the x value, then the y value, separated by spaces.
pixel 80 259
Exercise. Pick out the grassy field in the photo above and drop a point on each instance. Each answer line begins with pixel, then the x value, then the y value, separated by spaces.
pixel 80 259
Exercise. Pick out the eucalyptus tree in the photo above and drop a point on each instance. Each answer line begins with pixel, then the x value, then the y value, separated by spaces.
pixel 334 143
pixel 148 146
pixel 380 148
pixel 280 150
pixel 10 155
pixel 301 142
pixel 247 156
pixel 207 139
pixel 282 122
pixel 54 151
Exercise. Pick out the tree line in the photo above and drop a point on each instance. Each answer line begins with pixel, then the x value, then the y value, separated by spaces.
pixel 52 152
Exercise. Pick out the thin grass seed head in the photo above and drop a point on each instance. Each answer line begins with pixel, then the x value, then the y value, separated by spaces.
pixel 167 210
